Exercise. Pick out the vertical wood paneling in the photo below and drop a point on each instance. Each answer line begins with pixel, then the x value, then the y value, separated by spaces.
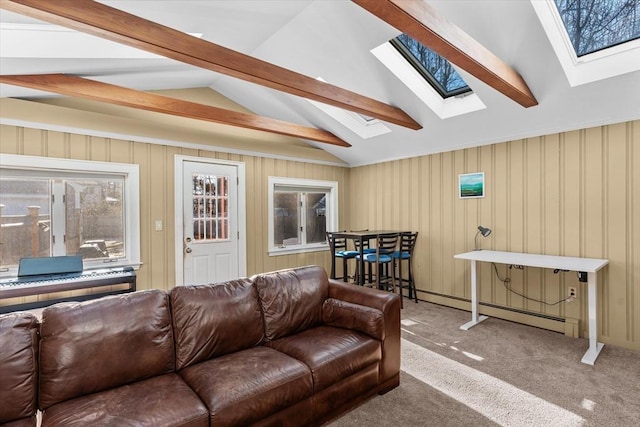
pixel 436 225
pixel 516 217
pixel 461 227
pixel 594 177
pixel 448 198
pixel 167 215
pixel 532 191
pixel 99 149
pixel 484 216
pixel 570 193
pixel 141 157
pixel 413 194
pixel 10 139
pixel 574 194
pixel 79 147
pixel 633 209
pixel 424 254
pixel 55 145
pixel 157 179
pixel 500 225
pixel 553 286
pixel 36 145
pixel 615 289
pixel 157 271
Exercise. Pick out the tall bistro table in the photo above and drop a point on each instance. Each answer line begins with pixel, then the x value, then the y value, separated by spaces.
pixel 584 266
pixel 361 237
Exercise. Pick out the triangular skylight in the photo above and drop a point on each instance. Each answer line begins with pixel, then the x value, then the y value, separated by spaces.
pixel 434 68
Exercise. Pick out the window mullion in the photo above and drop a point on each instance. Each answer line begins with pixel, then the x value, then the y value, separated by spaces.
pixel 58 218
pixel 302 229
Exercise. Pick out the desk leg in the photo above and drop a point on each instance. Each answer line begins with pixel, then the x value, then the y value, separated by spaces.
pixel 594 346
pixel 475 317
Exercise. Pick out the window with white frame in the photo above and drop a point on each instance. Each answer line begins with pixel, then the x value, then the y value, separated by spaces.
pixel 53 207
pixel 593 39
pixel 301 211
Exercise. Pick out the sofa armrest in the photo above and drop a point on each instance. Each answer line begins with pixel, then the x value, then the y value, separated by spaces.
pixel 389 305
pixel 358 317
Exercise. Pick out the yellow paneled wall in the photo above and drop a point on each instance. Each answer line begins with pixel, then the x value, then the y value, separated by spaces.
pixel 573 194
pixel 157 193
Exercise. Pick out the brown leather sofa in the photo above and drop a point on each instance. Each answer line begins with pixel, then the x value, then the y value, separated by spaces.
pixel 287 348
pixel 18 369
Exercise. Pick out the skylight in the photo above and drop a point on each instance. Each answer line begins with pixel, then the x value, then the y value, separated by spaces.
pixel 614 25
pixel 593 25
pixel 434 68
pixel 364 126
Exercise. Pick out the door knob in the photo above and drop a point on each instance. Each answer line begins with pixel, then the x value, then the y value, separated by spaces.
pixel 188 250
pixel 188 239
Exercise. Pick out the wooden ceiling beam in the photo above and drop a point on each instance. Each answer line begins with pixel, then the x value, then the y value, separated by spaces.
pixel 113 24
pixel 90 89
pixel 419 20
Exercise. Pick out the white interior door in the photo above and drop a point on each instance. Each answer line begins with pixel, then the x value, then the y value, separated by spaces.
pixel 210 249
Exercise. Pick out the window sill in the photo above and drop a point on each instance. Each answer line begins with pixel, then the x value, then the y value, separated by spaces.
pixel 298 249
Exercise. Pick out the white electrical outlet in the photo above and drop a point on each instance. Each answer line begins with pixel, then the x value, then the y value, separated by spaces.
pixel 158 225
pixel 572 292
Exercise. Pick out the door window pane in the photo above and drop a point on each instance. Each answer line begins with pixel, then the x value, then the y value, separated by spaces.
pixel 210 207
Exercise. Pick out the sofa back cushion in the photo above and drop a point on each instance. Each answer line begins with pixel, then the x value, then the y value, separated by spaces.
pixel 18 366
pixel 100 344
pixel 291 299
pixel 213 320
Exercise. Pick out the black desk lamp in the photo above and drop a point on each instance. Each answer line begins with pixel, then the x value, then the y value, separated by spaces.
pixel 485 232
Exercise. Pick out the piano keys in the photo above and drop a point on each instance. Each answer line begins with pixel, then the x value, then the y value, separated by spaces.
pixel 38 276
pixel 36 285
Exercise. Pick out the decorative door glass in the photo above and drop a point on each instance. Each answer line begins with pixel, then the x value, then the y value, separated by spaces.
pixel 210 207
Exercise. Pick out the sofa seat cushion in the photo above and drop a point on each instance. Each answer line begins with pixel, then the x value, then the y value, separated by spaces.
pixel 22 422
pixel 331 353
pixel 248 385
pixel 160 401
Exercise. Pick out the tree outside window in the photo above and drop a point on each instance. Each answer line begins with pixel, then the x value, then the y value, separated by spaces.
pixel 56 207
pixel 593 25
pixel 434 68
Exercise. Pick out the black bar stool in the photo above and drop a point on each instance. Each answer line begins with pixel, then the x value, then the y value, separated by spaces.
pixel 338 248
pixel 405 253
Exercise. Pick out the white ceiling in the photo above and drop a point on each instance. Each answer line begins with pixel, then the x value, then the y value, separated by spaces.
pixel 333 39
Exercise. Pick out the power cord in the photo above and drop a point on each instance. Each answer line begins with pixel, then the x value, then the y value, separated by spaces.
pixel 508 280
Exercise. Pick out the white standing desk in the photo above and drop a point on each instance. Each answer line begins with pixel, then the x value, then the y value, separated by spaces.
pixel 590 266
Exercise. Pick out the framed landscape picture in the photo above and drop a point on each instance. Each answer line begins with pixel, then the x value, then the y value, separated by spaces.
pixel 471 185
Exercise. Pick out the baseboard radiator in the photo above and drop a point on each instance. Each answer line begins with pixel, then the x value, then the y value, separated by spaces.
pixel 567 326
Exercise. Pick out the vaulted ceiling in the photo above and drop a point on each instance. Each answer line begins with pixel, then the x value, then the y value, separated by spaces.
pixel 332 40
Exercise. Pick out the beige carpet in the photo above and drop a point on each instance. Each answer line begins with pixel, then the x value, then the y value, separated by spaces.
pixel 500 373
